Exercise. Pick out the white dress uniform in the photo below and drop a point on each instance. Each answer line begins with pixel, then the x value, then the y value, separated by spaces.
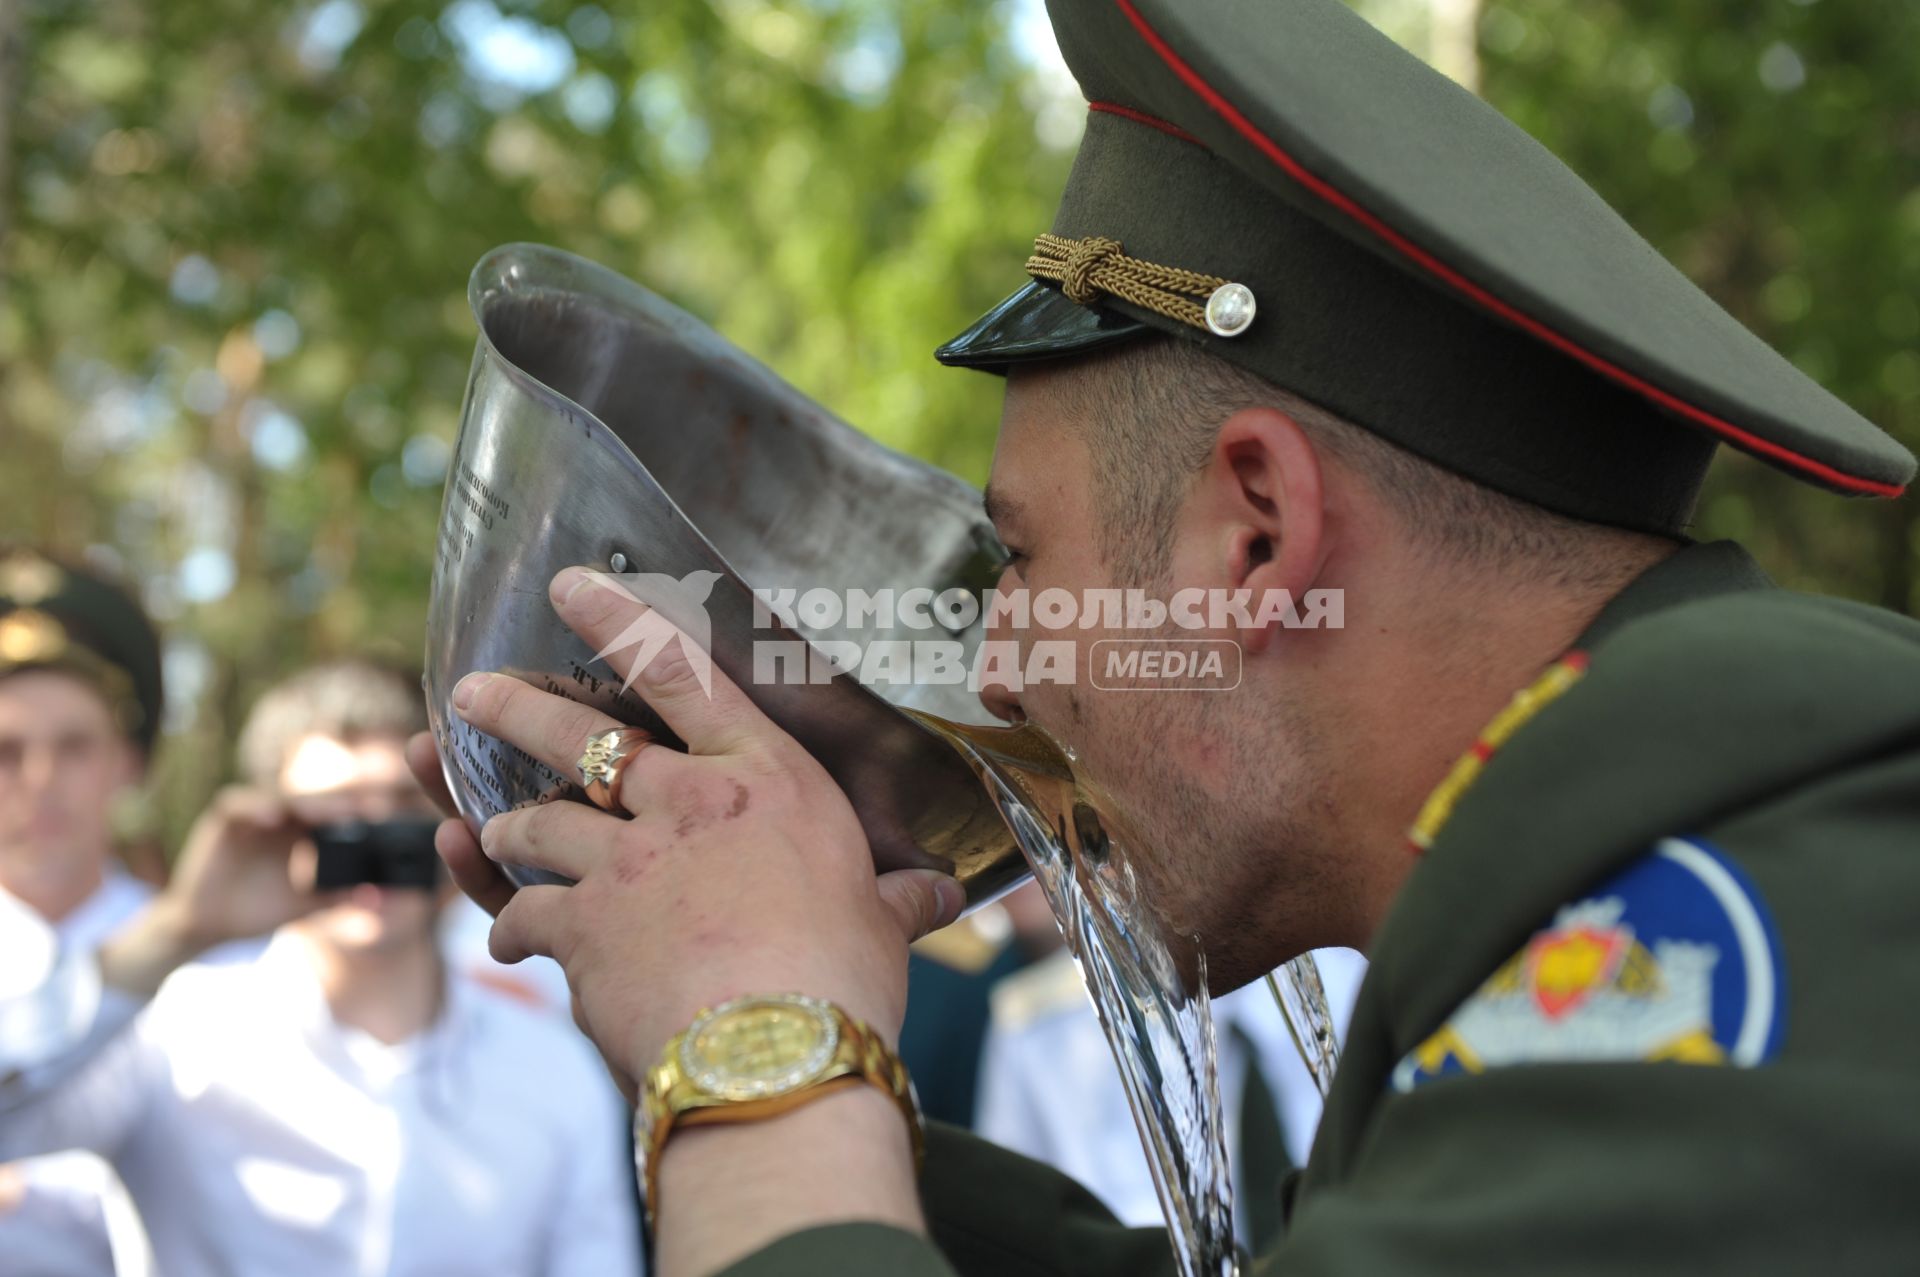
pixel 257 1135
pixel 1044 1029
pixel 75 1219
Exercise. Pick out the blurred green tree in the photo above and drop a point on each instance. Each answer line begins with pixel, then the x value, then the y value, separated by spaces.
pixel 234 335
pixel 1773 152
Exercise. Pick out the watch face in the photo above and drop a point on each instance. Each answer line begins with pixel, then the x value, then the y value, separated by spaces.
pixel 760 1046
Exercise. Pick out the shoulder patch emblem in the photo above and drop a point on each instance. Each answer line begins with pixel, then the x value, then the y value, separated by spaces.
pixel 1676 958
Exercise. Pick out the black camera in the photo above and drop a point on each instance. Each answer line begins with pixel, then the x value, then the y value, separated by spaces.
pixel 386 853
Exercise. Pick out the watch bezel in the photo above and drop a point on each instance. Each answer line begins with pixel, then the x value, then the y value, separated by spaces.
pixel 716 1081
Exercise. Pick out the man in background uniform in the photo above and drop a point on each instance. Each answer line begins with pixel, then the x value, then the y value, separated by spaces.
pixel 1044 1029
pixel 80 702
pixel 1627 833
pixel 952 979
pixel 338 1100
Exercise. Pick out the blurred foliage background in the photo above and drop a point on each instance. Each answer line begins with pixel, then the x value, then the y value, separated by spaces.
pixel 234 240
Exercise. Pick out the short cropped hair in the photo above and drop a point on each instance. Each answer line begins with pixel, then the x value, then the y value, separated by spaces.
pixel 1153 410
pixel 349 701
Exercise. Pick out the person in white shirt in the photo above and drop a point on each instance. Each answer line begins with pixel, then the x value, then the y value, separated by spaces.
pixel 80 695
pixel 341 1103
pixel 1043 1028
pixel 465 929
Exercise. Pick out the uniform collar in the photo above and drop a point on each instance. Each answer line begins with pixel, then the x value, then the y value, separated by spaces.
pixel 117 897
pixel 1696 572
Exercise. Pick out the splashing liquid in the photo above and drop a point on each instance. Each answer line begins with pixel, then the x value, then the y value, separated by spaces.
pixel 1148 982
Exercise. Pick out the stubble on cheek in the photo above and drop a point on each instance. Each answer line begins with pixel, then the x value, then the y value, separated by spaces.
pixel 1145 799
pixel 1163 768
pixel 1223 849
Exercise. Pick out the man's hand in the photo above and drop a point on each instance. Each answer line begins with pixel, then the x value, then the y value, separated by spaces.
pixel 480 878
pixel 742 870
pixel 247 868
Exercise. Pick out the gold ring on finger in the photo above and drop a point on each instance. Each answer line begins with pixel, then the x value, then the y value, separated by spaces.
pixel 607 755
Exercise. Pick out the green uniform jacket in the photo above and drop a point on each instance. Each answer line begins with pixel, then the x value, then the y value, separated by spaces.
pixel 1781 730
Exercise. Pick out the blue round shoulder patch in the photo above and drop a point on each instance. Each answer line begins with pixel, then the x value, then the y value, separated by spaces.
pixel 1675 958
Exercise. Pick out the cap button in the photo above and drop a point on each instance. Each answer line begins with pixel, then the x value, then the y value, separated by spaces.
pixel 1230 310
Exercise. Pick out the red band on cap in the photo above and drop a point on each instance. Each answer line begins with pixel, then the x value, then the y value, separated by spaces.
pixel 1440 270
pixel 1141 117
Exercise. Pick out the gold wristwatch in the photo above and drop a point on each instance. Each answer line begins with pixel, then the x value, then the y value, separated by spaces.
pixel 757 1057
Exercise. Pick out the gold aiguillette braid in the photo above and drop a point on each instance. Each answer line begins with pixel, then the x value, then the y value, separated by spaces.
pixel 1084 267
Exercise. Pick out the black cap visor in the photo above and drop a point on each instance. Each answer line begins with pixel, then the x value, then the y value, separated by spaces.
pixel 1035 323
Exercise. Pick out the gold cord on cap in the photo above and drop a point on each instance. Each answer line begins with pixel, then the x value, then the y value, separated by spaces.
pixel 1085 268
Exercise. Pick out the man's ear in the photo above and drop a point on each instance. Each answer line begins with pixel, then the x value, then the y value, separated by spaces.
pixel 1269 476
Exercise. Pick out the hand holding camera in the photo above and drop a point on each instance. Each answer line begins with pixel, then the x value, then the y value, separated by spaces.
pixel 252 863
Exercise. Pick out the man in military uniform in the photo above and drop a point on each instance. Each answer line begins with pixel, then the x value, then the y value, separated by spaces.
pixel 1045 1028
pixel 80 698
pixel 1627 833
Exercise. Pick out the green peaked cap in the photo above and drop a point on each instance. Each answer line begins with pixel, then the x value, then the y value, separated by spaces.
pixel 1418 265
